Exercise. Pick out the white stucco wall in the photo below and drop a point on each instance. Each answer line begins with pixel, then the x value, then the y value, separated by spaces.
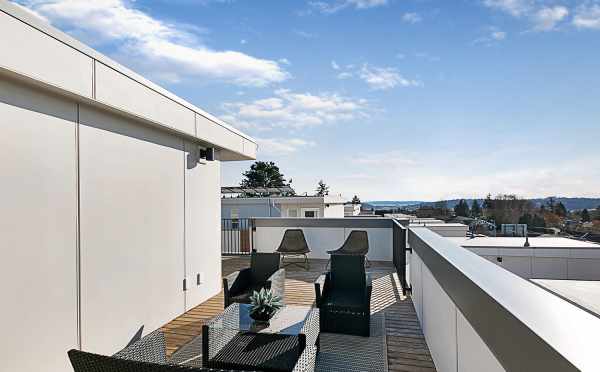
pixel 322 239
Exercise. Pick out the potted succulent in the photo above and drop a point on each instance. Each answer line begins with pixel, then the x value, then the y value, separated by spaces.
pixel 263 305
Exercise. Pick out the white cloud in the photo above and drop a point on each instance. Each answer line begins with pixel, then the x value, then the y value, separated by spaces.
pixel 329 7
pixel 334 65
pixel 294 110
pixel 587 17
pixel 167 49
pixel 382 78
pixel 498 35
pixel 492 36
pixel 412 18
pixel 512 7
pixel 243 41
pixel 284 61
pixel 344 75
pixel 546 19
pixel 281 146
pixel 305 34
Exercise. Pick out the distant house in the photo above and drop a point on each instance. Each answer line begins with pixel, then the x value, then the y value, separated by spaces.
pixel 328 206
pixel 351 209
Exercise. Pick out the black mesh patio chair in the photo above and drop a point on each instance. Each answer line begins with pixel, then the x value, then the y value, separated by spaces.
pixel 356 244
pixel 294 244
pixel 343 296
pixel 264 272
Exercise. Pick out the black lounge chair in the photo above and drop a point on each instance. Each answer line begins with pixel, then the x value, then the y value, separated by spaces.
pixel 343 296
pixel 294 244
pixel 264 272
pixel 357 244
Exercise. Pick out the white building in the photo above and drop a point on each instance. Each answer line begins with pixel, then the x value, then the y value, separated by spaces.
pixel 110 200
pixel 544 258
pixel 351 209
pixel 328 206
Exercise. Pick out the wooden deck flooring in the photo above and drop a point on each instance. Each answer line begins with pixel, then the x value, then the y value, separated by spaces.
pixel 407 349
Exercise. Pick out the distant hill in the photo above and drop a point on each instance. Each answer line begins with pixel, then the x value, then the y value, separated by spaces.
pixel 570 203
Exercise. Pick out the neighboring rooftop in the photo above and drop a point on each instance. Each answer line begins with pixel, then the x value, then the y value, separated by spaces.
pixel 583 293
pixel 510 242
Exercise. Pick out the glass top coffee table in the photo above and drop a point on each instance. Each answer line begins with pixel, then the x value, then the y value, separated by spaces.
pixel 289 342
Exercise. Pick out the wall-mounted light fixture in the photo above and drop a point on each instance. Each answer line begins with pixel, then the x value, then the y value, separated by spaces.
pixel 206 154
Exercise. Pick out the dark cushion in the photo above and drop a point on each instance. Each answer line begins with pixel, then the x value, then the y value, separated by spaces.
pixel 345 300
pixel 348 273
pixel 262 266
pixel 264 352
pixel 244 297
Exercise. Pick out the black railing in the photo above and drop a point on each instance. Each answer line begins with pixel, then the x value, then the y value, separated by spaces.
pixel 399 252
pixel 237 236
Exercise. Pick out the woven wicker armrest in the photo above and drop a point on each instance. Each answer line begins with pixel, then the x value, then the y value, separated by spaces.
pixel 311 327
pixel 320 287
pixel 276 283
pixel 219 331
pixel 307 360
pixel 150 348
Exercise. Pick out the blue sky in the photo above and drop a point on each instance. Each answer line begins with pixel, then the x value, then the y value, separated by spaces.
pixel 386 99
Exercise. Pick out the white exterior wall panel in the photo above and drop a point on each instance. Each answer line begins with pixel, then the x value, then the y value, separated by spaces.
pixel 38 229
pixel 132 230
pixel 118 90
pixel 439 323
pixel 202 218
pixel 32 53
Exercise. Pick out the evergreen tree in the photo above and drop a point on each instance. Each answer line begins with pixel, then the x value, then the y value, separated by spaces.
pixel 322 189
pixel 355 200
pixel 462 208
pixel 538 221
pixel 560 209
pixel 475 208
pixel 526 219
pixel 263 174
pixel 488 203
pixel 585 216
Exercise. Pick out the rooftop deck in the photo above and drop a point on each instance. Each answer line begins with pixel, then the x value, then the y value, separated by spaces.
pixel 406 346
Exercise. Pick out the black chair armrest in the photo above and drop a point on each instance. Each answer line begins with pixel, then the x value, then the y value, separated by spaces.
pixel 276 283
pixel 320 287
pixel 237 281
pixel 368 291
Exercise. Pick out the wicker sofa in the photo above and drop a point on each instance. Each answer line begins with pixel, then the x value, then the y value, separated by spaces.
pixel 149 355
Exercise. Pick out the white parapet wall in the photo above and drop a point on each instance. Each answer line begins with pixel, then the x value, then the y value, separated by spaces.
pixel 454 345
pixel 477 316
pixel 325 234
